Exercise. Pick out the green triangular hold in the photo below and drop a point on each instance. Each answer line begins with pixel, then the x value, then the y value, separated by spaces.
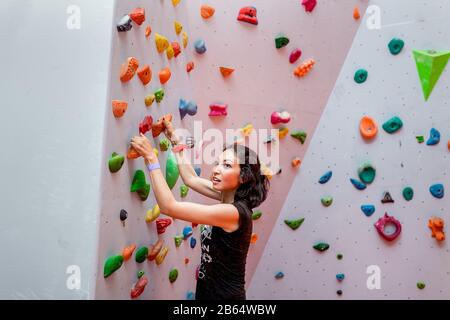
pixel 430 64
pixel 294 224
pixel 139 185
pixel 112 264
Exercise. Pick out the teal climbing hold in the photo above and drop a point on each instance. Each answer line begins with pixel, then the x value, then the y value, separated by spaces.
pixel 437 190
pixel 279 275
pixel 321 246
pixel 281 41
pixel 325 177
pixel 340 276
pixel 140 273
pixel 178 240
pixel 368 209
pixel 111 265
pixel 299 135
pixel 115 162
pixel 184 190
pixel 141 254
pixel 358 184
pixel 139 185
pixel 187 232
pixel 393 125
pixel 190 295
pixel 173 275
pixel 256 215
pixel 396 45
pixel 294 224
pixel 172 172
pixel 360 76
pixel 327 201
pixel 408 193
pixel 366 173
pixel 435 137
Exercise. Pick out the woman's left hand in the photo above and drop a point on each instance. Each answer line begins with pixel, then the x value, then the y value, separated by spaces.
pixel 144 147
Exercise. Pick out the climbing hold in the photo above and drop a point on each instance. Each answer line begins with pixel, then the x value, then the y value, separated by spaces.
pixel 339 256
pixel 282 132
pixel 226 71
pixel 164 144
pixel 127 252
pixel 186 260
pixel 253 238
pixel 161 255
pixel 299 135
pixel 146 125
pixel 217 110
pixel 420 139
pixel 175 2
pixel 140 273
pixel 309 5
pixel 119 108
pixel 178 27
pixel 128 69
pixel 162 43
pixel 248 14
pixel 162 224
pixel 184 190
pixel 325 177
pixel 178 240
pixel 179 148
pixel 139 185
pixel 340 276
pixel 159 95
pixel 200 46
pixel 294 224
pixel 296 162
pixel 387 198
pixel 295 55
pixel 152 214
pixel 185 38
pixel 392 125
pixel 155 249
pixel 339 292
pixel 115 162
pixel 132 153
pixel 193 242
pixel 189 66
pixel 396 45
pixel 124 24
pixel 164 75
pixel 158 127
pixel 304 68
pixel 368 127
pixel 437 228
pixel 139 287
pixel 123 215
pixel 327 201
pixel 280 117
pixel 430 64
pixel 356 14
pixel 281 41
pixel 173 275
pixel 185 107
pixel 408 193
pixel 206 11
pixel 269 139
pixel 190 295
pixel 155 151
pixel 321 246
pixel 279 275
pixel 368 209
pixel 149 99
pixel 141 254
pixel 360 76
pixel 148 31
pixel 387 220
pixel 357 184
pixel 256 215
pixel 176 48
pixel 435 137
pixel 448 145
pixel 138 15
pixel 437 190
pixel 111 265
pixel 366 173
pixel 187 232
pixel 421 285
pixel 170 52
pixel 172 172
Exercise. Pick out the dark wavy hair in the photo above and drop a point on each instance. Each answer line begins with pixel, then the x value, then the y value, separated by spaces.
pixel 255 185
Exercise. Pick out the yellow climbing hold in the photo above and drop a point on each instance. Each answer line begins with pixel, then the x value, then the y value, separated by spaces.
pixel 161 42
pixel 178 27
pixel 153 214
pixel 282 132
pixel 185 39
pixel 155 151
pixel 170 53
pixel 247 130
pixel 161 255
pixel 175 2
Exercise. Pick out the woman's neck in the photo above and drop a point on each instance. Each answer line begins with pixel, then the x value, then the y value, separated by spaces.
pixel 228 196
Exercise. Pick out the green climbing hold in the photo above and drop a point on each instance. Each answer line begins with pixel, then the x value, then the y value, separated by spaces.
pixel 184 190
pixel 299 135
pixel 139 185
pixel 172 172
pixel 340 256
pixel 366 173
pixel 256 215
pixel 112 264
pixel 294 224
pixel 420 139
pixel 392 125
pixel 408 193
pixel 327 201
pixel 159 95
pixel 178 240
pixel 141 254
pixel 396 45
pixel 421 285
pixel 164 144
pixel 140 273
pixel 281 41
pixel 321 246
pixel 430 64
pixel 115 162
pixel 360 76
pixel 173 275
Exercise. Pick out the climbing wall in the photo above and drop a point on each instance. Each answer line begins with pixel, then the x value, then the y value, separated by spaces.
pixel 414 265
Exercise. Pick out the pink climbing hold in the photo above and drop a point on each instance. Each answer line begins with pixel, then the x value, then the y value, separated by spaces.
pixel 217 110
pixel 309 5
pixel 280 117
pixel 295 55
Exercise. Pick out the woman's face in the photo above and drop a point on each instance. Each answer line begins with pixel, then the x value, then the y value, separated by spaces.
pixel 225 174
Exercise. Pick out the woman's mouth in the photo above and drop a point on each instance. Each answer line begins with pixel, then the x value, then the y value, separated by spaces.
pixel 215 180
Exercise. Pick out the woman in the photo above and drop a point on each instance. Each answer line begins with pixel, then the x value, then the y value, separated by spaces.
pixel 237 182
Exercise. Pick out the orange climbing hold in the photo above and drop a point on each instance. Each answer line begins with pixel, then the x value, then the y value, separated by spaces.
pixel 155 249
pixel 132 153
pixel 128 69
pixel 356 14
pixel 189 66
pixel 437 225
pixel 226 71
pixel 159 126
pixel 368 127
pixel 145 74
pixel 176 48
pixel 139 287
pixel 206 11
pixel 254 238
pixel 448 144
pixel 296 162
pixel 119 108
pixel 148 31
pixel 164 75
pixel 138 15
pixel 303 69
pixel 127 252
pixel 186 260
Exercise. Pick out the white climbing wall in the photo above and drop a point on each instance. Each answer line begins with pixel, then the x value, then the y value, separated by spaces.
pixel 392 89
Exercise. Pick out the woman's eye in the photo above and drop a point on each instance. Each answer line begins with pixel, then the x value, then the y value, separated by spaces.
pixel 227 165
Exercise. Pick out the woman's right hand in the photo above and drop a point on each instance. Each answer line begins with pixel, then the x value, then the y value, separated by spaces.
pixel 169 131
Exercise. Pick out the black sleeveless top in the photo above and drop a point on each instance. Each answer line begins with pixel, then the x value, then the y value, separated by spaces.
pixel 221 275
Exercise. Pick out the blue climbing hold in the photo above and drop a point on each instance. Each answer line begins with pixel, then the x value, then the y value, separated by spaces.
pixel 200 46
pixel 437 190
pixel 198 170
pixel 368 209
pixel 358 184
pixel 327 176
pixel 279 275
pixel 187 232
pixel 190 295
pixel 435 137
pixel 340 276
pixel 193 242
pixel 185 107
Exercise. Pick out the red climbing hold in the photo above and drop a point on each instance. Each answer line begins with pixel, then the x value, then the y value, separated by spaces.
pixel 158 127
pixel 280 117
pixel 295 55
pixel 139 287
pixel 189 66
pixel 146 125
pixel 309 5
pixel 176 48
pixel 162 224
pixel 217 110
pixel 248 14
pixel 138 15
